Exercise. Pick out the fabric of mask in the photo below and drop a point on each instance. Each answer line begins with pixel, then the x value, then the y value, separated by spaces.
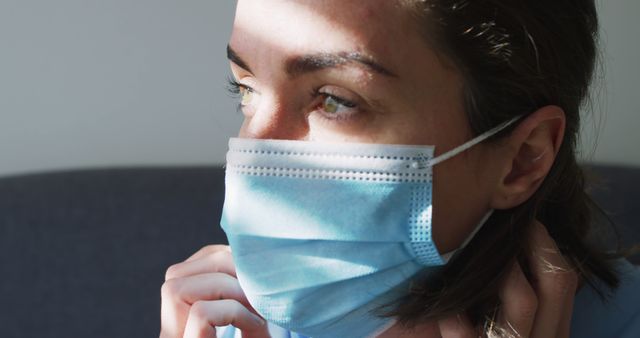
pixel 324 234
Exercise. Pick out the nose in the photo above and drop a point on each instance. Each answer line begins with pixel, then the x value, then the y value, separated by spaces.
pixel 275 120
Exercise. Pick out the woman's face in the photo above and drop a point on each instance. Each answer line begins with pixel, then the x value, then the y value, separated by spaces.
pixel 360 71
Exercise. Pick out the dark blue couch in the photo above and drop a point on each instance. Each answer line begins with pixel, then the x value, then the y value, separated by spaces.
pixel 83 253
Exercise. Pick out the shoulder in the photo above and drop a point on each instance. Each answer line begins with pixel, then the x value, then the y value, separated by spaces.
pixel 617 316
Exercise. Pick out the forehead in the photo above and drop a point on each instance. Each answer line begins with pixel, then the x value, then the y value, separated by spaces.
pixel 382 28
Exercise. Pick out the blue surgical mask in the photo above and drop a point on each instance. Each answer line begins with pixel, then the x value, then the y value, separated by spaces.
pixel 324 234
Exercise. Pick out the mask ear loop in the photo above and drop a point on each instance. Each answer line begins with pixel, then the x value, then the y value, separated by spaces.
pixel 454 152
pixel 447 257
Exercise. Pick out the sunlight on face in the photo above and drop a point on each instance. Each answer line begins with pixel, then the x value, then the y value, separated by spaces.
pixel 342 71
pixel 356 71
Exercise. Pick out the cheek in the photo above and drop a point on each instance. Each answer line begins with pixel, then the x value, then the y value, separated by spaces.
pixel 243 133
pixel 460 200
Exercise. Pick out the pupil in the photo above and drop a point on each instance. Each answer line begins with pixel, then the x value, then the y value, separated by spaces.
pixel 246 97
pixel 330 105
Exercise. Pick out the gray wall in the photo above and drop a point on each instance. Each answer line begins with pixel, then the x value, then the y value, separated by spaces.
pixel 610 134
pixel 88 83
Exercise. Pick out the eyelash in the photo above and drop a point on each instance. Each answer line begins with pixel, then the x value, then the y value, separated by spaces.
pixel 235 88
pixel 350 105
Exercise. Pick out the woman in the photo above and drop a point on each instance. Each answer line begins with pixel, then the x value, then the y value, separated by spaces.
pixel 337 231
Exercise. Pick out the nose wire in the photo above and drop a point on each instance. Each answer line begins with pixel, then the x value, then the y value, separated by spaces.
pixel 276 119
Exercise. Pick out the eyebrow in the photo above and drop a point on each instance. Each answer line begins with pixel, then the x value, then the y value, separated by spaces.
pixel 314 62
pixel 309 63
pixel 235 58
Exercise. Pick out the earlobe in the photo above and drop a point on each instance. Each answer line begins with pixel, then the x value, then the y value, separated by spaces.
pixel 532 149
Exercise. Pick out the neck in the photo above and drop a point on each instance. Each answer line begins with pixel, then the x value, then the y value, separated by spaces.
pixel 425 330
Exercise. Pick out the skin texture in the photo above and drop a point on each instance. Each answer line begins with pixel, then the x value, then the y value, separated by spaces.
pixel 417 100
pixel 421 105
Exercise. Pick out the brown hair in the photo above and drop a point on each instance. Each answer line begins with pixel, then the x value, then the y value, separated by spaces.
pixel 515 56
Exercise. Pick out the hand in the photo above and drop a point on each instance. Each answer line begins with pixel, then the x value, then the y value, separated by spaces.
pixel 202 293
pixel 538 309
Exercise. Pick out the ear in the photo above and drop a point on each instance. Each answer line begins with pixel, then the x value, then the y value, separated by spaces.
pixel 531 150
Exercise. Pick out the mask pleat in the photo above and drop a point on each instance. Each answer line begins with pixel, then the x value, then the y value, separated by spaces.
pixel 320 210
pixel 298 304
pixel 324 262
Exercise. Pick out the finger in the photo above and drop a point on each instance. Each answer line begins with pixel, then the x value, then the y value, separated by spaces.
pixel 554 282
pixel 565 321
pixel 204 316
pixel 457 326
pixel 214 261
pixel 210 286
pixel 519 303
pixel 209 249
pixel 179 294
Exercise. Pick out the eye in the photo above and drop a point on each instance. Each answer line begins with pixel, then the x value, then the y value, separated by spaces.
pixel 335 107
pixel 245 94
